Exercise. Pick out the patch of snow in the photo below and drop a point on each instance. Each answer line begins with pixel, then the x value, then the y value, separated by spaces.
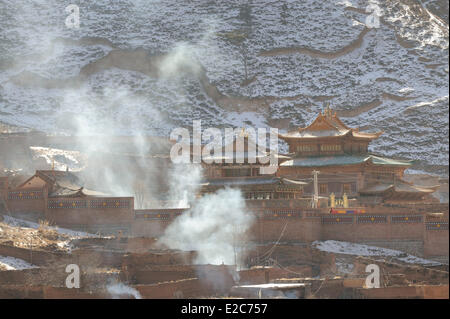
pixel 62 159
pixel 342 247
pixel 275 285
pixel 345 3
pixel 120 289
pixel 11 263
pixel 73 234
pixel 344 267
pixel 65 245
pixel 406 90
pixel 427 103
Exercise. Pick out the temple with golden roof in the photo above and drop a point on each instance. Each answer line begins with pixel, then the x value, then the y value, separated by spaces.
pixel 340 158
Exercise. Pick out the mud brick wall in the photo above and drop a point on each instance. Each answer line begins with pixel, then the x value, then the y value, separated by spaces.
pixel 26 206
pixel 187 288
pixel 408 292
pixel 149 276
pixel 26 201
pixel 371 227
pixel 21 292
pixel 412 273
pixel 34 277
pixel 298 229
pixel 66 293
pixel 217 276
pixel 93 211
pixel 97 241
pixel 436 241
pixel 135 260
pixel 149 228
pixel 409 208
pixel 97 257
pixel 56 277
pixel 285 224
pixel 140 244
pixel 153 222
pixel 266 275
pixel 35 257
pixel 105 217
pixel 127 244
pixel 292 254
pixel 18 277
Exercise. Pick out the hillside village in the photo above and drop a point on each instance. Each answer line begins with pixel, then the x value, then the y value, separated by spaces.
pixel 308 230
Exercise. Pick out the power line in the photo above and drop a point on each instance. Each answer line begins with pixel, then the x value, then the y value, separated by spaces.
pixel 272 249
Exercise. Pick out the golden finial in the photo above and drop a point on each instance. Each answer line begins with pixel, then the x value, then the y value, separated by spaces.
pixel 244 132
pixel 327 112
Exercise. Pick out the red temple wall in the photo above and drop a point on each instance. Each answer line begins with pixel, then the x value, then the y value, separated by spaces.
pixel 26 206
pixel 31 200
pixel 436 243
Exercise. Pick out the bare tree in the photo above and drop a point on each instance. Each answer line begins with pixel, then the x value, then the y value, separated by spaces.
pixel 139 194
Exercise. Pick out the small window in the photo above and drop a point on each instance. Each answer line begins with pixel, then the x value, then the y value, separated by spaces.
pixel 330 147
pixel 306 148
pixel 346 188
pixel 323 188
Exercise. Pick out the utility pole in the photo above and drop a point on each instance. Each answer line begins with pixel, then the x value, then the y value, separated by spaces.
pixel 316 189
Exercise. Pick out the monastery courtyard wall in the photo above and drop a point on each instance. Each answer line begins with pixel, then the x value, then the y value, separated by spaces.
pixel 416 229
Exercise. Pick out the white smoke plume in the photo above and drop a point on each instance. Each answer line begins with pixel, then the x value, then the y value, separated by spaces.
pixel 215 227
pixel 114 167
pixel 184 181
pixel 179 60
pixel 121 290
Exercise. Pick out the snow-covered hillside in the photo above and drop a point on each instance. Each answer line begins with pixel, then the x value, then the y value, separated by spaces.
pixel 144 67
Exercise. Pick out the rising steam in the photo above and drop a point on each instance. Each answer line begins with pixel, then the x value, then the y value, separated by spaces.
pixel 120 290
pixel 184 181
pixel 215 227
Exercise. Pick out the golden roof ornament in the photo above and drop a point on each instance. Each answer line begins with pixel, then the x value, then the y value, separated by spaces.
pixel 244 133
pixel 327 112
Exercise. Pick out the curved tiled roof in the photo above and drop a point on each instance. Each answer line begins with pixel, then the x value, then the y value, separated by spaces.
pixel 320 161
pixel 252 181
pixel 328 125
pixel 399 186
pixel 64 183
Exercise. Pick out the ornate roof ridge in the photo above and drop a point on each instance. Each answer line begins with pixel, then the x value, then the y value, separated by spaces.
pixel 328 121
